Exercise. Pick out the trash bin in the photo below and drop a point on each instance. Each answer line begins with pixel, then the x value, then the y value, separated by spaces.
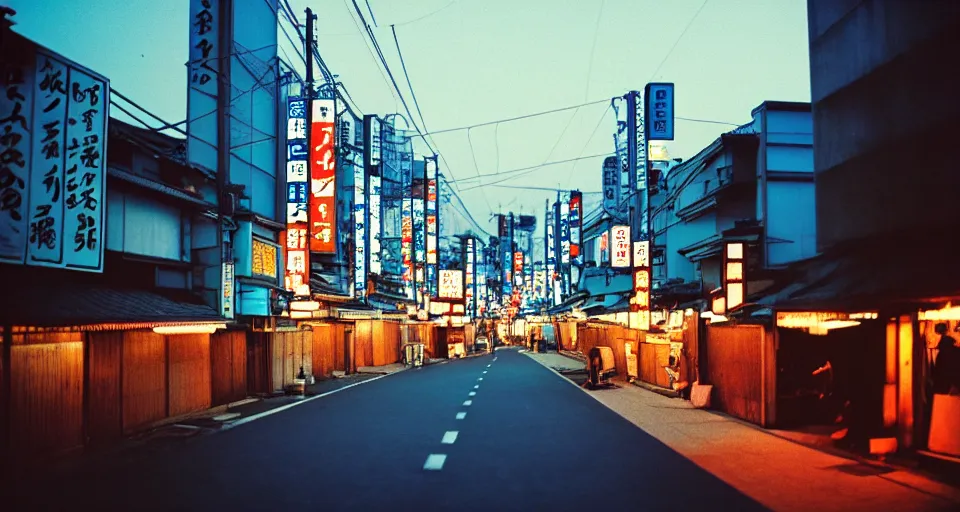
pixel 601 365
pixel 413 354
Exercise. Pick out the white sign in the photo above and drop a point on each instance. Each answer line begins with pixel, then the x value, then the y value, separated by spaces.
pixel 374 225
pixel 659 111
pixel 226 284
pixel 451 284
pixel 360 232
pixel 620 246
pixel 53 121
pixel 641 254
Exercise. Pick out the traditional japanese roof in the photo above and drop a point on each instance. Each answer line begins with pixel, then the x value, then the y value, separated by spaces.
pixel 99 307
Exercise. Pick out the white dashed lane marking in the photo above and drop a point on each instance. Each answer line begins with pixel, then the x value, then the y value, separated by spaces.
pixel 473 393
pixel 484 372
pixel 461 415
pixel 476 386
pixel 468 403
pixel 488 366
pixel 480 378
pixel 450 437
pixel 434 462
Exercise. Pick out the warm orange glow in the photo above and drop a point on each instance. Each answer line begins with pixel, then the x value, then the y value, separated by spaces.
pixel 947 313
pixel 189 329
pixel 734 295
pixel 304 305
pixel 735 251
pixel 905 402
pixel 889 405
pixel 301 314
pixel 719 305
pixel 891 374
pixel 819 319
pixel 734 271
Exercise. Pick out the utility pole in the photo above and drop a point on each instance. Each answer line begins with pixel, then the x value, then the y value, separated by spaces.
pixel 225 210
pixel 308 99
pixel 633 157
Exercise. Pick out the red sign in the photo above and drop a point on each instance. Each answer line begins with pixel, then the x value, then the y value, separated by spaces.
pixel 297 266
pixel 518 262
pixel 323 178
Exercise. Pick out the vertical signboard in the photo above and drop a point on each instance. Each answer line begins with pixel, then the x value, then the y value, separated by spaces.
pixel 430 167
pixel 640 302
pixel 451 285
pixel 203 70
pixel 658 111
pixel 226 286
pixel 374 225
pixel 323 178
pixel 470 277
pixel 419 235
pixel 359 231
pixel 53 136
pixel 505 257
pixel 605 247
pixel 734 274
pixel 620 246
pixel 611 185
pixel 564 233
pixel 576 204
pixel 295 239
pixel 551 243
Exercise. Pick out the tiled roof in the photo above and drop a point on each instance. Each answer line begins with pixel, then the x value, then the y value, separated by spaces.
pixel 68 306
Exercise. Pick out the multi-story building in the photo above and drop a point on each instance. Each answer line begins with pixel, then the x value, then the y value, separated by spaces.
pixel 754 185
pixel 885 117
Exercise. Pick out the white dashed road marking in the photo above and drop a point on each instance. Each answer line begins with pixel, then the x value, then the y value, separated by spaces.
pixel 488 366
pixel 480 378
pixel 434 462
pixel 484 372
pixel 476 386
pixel 450 437
pixel 461 415
pixel 468 403
pixel 473 393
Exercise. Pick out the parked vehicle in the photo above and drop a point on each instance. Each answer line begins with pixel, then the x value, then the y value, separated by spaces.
pixel 482 343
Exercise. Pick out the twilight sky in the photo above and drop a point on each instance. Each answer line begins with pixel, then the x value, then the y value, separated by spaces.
pixel 474 61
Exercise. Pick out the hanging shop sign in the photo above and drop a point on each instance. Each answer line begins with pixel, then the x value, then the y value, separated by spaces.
pixel 576 204
pixel 323 178
pixel 564 233
pixel 620 246
pixel 451 285
pixel 263 261
pixel 226 286
pixel 359 231
pixel 53 136
pixel 734 273
pixel 374 225
pixel 640 302
pixel 203 83
pixel 295 239
pixel 658 111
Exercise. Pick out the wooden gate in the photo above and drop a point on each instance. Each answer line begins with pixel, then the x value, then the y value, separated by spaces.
pixel 741 366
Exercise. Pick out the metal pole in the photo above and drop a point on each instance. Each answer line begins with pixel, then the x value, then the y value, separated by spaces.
pixel 223 142
pixel 632 163
pixel 308 100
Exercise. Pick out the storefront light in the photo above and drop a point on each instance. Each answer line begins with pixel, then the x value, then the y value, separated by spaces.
pixel 947 313
pixel 189 329
pixel 301 314
pixel 838 324
pixel 304 305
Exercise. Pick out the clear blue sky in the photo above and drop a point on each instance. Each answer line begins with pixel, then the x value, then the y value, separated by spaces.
pixel 473 61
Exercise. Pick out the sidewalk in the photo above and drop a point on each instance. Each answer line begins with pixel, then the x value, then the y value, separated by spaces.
pixel 778 473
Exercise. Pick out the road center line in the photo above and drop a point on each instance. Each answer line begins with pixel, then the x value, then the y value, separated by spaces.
pixel 488 366
pixel 473 393
pixel 450 437
pixel 461 415
pixel 481 378
pixel 434 462
pixel 468 403
pixel 484 372
pixel 476 386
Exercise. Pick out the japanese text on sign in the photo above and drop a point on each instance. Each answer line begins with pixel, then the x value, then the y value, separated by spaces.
pixel 264 260
pixel 620 246
pixel 659 111
pixel 451 284
pixel 323 178
pixel 53 117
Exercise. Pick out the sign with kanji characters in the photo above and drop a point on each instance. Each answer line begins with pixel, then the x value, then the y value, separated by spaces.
pixel 295 239
pixel 640 302
pixel 451 285
pixel 641 253
pixel 323 178
pixel 203 71
pixel 658 111
pixel 53 126
pixel 734 276
pixel 576 207
pixel 296 245
pixel 620 246
pixel 611 184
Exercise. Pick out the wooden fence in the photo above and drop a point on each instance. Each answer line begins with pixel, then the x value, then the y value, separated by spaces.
pixel 741 366
pixel 328 349
pixel 425 333
pixel 616 337
pixel 228 366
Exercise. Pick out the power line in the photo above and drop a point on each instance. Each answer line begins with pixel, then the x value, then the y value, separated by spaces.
pixel 522 171
pixel 593 48
pixel 587 142
pixel 372 17
pixel 675 43
pixel 406 75
pixel 521 187
pixel 426 15
pixel 367 45
pixel 517 118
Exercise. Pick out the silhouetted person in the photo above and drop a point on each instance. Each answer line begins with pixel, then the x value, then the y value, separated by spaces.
pixel 946 369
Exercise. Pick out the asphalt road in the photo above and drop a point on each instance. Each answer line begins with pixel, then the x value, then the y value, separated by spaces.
pixel 529 441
